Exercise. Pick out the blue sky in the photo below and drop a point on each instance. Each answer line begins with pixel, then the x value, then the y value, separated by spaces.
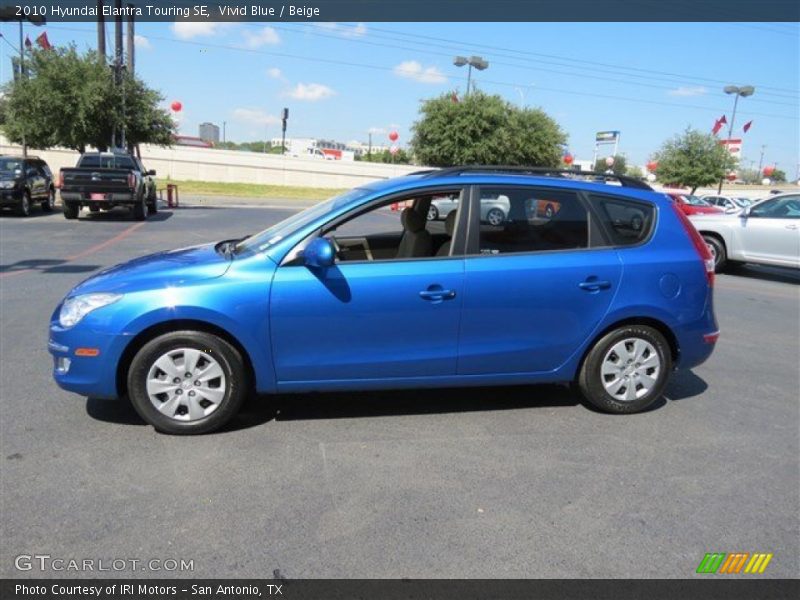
pixel 341 80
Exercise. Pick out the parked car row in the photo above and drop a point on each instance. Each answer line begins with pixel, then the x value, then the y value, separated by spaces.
pixel 99 181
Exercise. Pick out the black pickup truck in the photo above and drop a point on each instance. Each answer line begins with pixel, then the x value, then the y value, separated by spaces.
pixel 102 180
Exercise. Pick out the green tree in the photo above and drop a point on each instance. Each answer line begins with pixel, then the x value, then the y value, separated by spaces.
pixel 620 166
pixel 70 100
pixel 484 129
pixel 402 157
pixel 693 159
pixel 778 176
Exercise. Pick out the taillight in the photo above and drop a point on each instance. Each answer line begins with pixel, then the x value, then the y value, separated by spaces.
pixel 61 179
pixel 698 242
pixel 131 181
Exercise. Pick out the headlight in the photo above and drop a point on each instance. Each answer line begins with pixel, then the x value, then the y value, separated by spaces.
pixel 7 185
pixel 74 309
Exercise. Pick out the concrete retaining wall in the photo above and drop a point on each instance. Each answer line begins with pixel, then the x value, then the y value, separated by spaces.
pixel 231 166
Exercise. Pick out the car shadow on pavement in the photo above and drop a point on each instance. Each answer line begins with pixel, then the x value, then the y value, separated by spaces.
pixel 47 265
pixel 685 384
pixel 122 214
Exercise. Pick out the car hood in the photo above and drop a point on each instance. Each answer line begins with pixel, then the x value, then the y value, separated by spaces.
pixel 170 268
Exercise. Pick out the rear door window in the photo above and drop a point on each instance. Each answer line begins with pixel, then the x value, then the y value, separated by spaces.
pixel 626 222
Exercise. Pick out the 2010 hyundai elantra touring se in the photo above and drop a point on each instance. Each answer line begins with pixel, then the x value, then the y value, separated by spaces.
pixel 611 290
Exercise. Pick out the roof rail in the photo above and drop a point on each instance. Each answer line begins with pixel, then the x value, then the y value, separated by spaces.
pixel 624 180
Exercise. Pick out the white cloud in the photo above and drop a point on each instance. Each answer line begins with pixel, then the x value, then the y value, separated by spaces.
pixel 411 69
pixel 349 31
pixel 142 43
pixel 698 90
pixel 254 116
pixel 187 30
pixel 311 92
pixel 266 36
pixel 274 73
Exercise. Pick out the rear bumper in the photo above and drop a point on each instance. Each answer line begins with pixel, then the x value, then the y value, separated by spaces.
pixel 110 198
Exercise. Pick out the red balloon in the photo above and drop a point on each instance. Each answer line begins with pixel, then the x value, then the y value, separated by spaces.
pixel 176 106
pixel 769 170
pixel 393 136
pixel 652 165
pixel 568 158
pixel 731 176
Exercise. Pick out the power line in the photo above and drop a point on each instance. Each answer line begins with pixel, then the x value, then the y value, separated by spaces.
pixel 448 78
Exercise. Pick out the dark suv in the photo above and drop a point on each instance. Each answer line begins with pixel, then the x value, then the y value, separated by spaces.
pixel 24 181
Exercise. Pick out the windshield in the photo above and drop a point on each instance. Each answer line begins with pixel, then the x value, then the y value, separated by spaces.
pixel 271 236
pixel 695 201
pixel 10 164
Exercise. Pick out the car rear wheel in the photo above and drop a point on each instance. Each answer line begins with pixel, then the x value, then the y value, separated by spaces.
pixel 187 382
pixel 718 251
pixel 71 209
pixel 24 206
pixel 626 370
pixel 138 210
pixel 433 213
pixel 495 217
pixel 49 204
pixel 152 205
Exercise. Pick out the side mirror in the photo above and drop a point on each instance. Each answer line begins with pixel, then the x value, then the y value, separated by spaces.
pixel 319 253
pixel 152 172
pixel 745 212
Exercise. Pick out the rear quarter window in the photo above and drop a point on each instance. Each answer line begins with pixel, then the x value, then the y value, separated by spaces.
pixel 626 222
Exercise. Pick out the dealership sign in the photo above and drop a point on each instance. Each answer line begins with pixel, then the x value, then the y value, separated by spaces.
pixel 733 146
pixel 607 137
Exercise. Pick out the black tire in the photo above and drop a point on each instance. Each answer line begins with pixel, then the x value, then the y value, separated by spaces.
pixel 138 210
pixel 93 208
pixel 433 213
pixel 718 250
pixel 591 379
pixel 226 356
pixel 49 204
pixel 71 209
pixel 24 206
pixel 152 206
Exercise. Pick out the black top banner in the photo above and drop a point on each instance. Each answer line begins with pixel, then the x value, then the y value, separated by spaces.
pixel 407 10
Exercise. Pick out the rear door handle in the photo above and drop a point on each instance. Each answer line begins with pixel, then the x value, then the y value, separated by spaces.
pixel 594 285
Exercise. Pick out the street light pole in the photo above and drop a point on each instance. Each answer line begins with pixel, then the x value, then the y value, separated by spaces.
pixel 473 61
pixel 21 75
pixel 743 91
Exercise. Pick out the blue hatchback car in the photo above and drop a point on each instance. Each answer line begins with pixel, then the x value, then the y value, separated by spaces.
pixel 605 286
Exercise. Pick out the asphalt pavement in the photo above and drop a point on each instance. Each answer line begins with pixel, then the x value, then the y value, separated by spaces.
pixel 506 482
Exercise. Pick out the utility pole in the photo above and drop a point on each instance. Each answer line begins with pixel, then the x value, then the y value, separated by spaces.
pixel 21 75
pixel 284 118
pixel 101 31
pixel 369 148
pixel 761 160
pixel 130 41
pixel 117 66
pixel 223 132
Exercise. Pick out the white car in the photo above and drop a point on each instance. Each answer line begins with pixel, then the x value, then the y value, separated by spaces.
pixel 730 204
pixel 767 233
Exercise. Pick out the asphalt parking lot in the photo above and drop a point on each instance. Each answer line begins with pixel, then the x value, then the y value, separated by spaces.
pixel 510 482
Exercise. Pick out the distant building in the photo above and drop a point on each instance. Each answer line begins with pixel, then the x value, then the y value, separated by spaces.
pixel 209 133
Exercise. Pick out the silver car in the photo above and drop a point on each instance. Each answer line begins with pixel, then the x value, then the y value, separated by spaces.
pixel 494 208
pixel 767 233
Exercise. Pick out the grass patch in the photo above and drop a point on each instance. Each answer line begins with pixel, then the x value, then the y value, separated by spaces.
pixel 250 190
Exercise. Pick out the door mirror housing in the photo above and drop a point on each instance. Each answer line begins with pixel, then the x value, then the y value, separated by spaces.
pixel 319 253
pixel 152 172
pixel 745 212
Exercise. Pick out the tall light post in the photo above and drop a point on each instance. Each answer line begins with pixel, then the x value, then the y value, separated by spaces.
pixel 473 61
pixel 737 91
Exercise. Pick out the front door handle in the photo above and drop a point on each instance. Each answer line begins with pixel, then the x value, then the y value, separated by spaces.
pixel 594 285
pixel 437 295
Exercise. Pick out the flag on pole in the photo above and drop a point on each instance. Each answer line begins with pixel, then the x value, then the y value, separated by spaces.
pixel 717 127
pixel 747 126
pixel 723 120
pixel 43 42
pixel 28 43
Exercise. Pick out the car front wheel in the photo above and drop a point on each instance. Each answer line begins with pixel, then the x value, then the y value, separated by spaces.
pixel 626 370
pixel 49 204
pixel 24 207
pixel 187 382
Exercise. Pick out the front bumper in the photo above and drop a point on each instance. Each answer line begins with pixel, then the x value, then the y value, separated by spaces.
pixel 8 197
pixel 94 376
